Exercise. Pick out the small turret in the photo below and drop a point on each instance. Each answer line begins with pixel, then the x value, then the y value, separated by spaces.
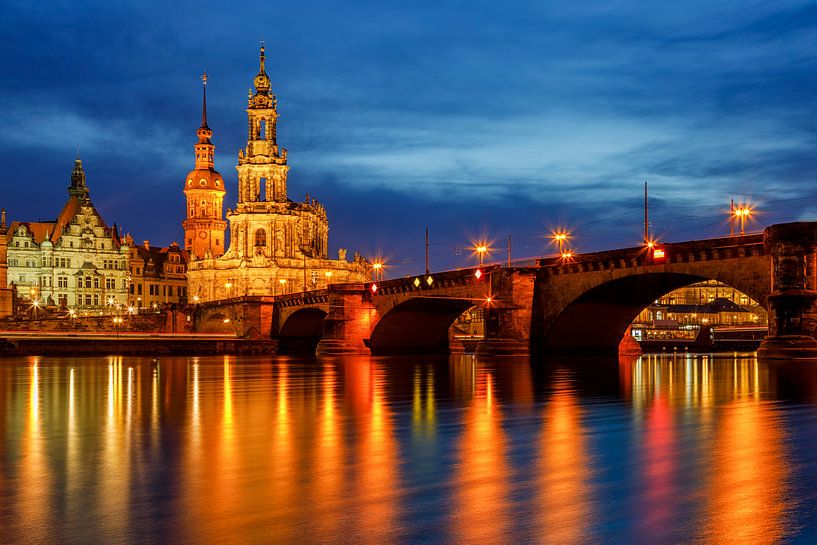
pixel 78 188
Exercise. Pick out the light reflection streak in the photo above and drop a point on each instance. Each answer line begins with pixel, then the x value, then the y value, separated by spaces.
pixel 379 480
pixel 329 462
pixel 480 511
pixel 565 494
pixel 34 472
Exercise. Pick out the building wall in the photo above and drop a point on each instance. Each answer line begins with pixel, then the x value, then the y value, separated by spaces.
pixel 85 269
pixel 158 276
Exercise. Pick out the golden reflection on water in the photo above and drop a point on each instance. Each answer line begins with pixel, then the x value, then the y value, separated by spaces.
pixel 34 470
pixel 481 502
pixel 277 450
pixel 565 492
pixel 378 482
pixel 745 483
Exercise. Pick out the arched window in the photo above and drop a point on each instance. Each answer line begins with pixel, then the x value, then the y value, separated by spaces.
pixel 260 238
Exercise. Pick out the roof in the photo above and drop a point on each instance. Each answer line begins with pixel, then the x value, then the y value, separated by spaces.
pixel 715 306
pixel 53 229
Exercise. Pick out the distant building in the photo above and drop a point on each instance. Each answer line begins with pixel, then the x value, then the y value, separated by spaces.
pixel 706 303
pixel 75 261
pixel 276 245
pixel 157 275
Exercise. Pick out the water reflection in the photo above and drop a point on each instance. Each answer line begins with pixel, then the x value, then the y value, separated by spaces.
pixel 565 466
pixel 481 510
pixel 381 450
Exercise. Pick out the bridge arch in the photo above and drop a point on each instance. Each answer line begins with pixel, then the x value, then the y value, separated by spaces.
pixel 301 331
pixel 417 326
pixel 596 319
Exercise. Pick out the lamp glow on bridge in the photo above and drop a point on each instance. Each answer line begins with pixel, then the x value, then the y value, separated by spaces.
pixel 559 238
pixel 567 256
pixel 481 248
pixel 742 213
pixel 377 266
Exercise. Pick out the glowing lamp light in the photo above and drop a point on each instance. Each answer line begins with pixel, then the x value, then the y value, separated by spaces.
pixel 429 280
pixel 658 253
pixel 489 299
pixel 226 320
pixel 478 274
pixel 374 288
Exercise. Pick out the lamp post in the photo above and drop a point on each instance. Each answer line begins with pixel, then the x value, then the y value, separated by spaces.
pixel 283 282
pixel 328 275
pixel 228 289
pixel 742 213
pixel 378 270
pixel 560 237
pixel 481 249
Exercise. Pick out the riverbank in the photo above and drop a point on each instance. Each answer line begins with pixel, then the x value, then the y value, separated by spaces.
pixel 104 344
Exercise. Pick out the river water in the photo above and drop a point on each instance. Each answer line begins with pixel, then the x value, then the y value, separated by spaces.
pixel 674 449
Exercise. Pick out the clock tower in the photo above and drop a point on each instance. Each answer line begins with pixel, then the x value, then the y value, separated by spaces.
pixel 204 226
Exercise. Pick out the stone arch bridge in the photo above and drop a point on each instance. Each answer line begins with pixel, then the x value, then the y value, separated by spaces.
pixel 581 306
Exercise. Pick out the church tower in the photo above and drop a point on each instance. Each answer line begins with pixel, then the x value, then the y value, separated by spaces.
pixel 262 166
pixel 204 189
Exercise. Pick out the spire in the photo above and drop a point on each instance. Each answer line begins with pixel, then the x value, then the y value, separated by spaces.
pixel 204 100
pixel 261 81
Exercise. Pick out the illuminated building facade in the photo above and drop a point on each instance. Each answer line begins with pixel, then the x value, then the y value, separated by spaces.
pixel 158 275
pixel 75 261
pixel 277 245
pixel 704 303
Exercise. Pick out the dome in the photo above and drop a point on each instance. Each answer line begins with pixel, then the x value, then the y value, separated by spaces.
pixel 204 179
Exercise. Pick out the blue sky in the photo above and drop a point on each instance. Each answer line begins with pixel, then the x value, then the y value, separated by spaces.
pixel 474 118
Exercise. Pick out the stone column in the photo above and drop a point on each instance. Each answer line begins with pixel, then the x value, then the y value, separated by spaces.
pixel 508 315
pixel 792 312
pixel 347 327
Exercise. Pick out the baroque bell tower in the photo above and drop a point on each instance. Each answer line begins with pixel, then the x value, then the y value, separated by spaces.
pixel 262 165
pixel 204 190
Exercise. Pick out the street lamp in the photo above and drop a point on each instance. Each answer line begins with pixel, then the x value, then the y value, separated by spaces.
pixel 567 256
pixel 227 287
pixel 328 275
pixel 283 282
pixel 481 249
pixel 742 213
pixel 560 237
pixel 378 270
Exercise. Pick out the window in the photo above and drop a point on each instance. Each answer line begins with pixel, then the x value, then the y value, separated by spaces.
pixel 110 284
pixel 139 289
pixel 260 238
pixel 13 262
pixel 96 282
pixel 96 300
pixel 88 300
pixel 62 281
pixel 88 282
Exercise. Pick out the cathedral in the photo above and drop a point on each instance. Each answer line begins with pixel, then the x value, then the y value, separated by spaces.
pixel 277 245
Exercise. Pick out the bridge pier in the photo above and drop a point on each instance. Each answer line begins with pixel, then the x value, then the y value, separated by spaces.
pixel 793 313
pixel 508 315
pixel 348 325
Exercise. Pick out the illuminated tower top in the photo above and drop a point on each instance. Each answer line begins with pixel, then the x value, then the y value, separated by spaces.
pixel 262 165
pixel 204 189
